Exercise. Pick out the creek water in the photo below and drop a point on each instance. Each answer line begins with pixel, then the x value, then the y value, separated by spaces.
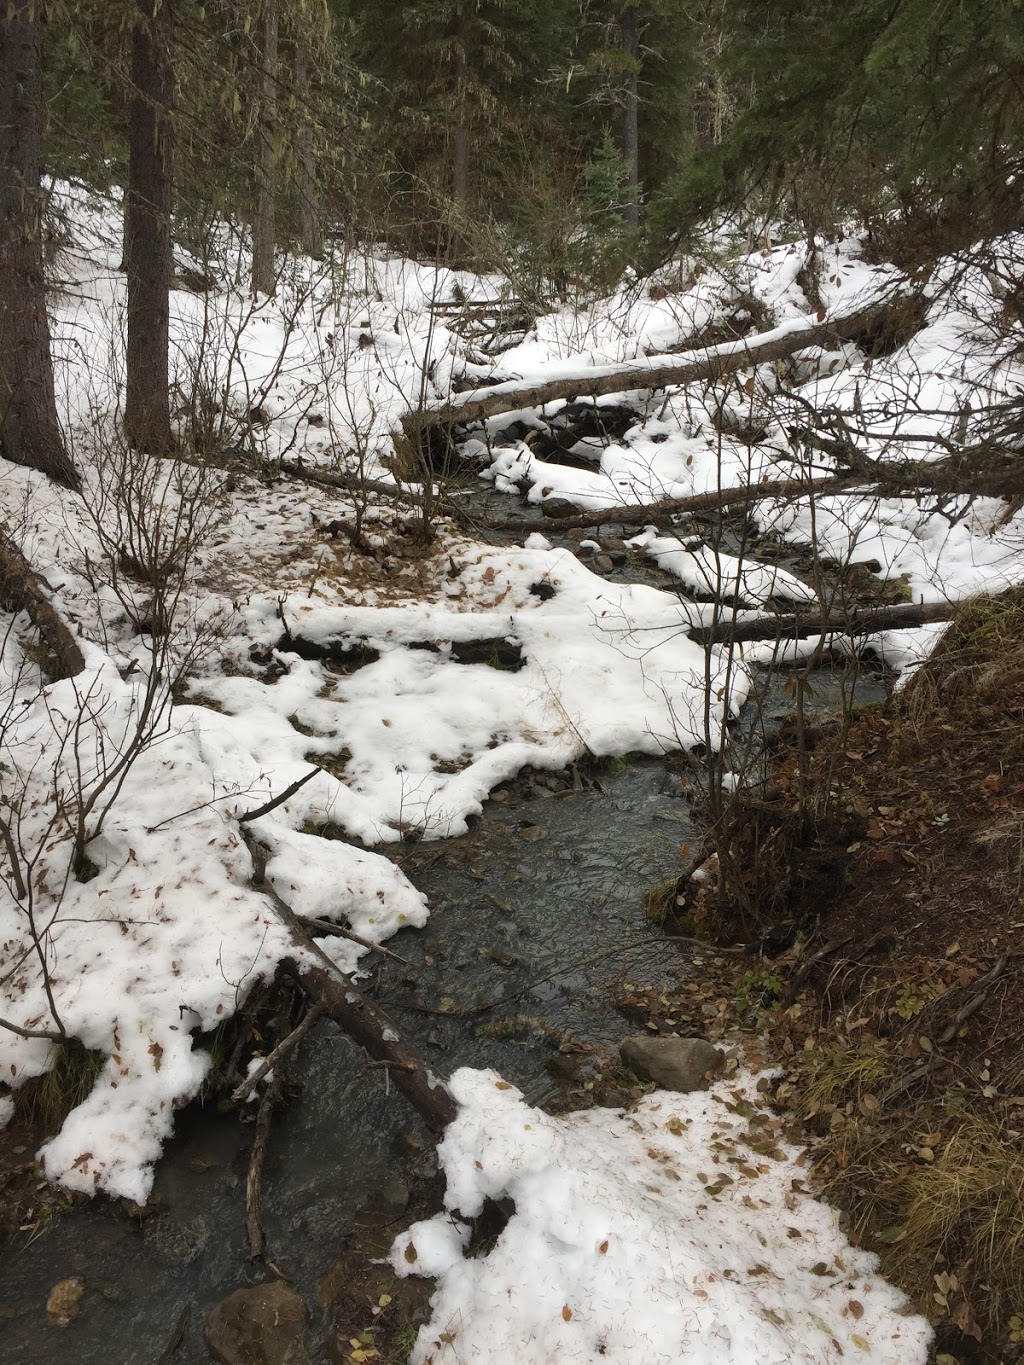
pixel 544 884
pixel 532 912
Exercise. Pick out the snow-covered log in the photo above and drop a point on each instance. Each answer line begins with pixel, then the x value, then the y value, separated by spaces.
pixel 651 372
pixel 21 590
pixel 856 621
pixel 651 513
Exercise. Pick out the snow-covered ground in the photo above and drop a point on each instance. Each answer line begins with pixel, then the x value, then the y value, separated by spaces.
pixel 291 651
pixel 660 1235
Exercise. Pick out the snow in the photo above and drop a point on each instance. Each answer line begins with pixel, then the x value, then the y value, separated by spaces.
pixel 410 682
pixel 664 1233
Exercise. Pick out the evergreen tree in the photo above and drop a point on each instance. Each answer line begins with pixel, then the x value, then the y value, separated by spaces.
pixel 29 431
pixel 147 235
pixel 868 107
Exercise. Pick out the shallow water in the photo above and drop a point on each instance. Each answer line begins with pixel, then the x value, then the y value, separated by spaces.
pixel 541 885
pixel 532 913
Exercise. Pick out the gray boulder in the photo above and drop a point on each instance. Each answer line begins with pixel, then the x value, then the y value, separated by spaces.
pixel 681 1064
pixel 262 1325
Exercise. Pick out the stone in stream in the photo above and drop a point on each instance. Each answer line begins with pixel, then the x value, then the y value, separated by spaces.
pixel 558 507
pixel 681 1064
pixel 262 1325
pixel 64 1301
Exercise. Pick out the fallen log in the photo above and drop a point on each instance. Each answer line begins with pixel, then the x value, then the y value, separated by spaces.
pixel 347 483
pixel 652 513
pixel 856 621
pixel 21 589
pixel 334 993
pixel 648 373
pixel 425 1089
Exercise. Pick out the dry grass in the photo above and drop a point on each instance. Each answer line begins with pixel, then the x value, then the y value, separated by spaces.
pixel 967 1208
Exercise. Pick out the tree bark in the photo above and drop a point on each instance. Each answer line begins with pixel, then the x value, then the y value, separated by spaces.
pixel 309 205
pixel 30 434
pixel 148 254
pixel 460 130
pixel 631 114
pixel 716 362
pixel 856 621
pixel 264 279
pixel 21 590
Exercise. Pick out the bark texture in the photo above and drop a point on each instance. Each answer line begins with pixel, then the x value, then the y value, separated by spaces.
pixel 21 589
pixel 147 229
pixel 630 30
pixel 30 434
pixel 305 171
pixel 857 621
pixel 264 279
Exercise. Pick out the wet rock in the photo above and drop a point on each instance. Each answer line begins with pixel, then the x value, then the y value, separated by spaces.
pixel 394 1194
pixel 177 1240
pixel 65 1300
pixel 681 1064
pixel 602 563
pixel 558 507
pixel 262 1325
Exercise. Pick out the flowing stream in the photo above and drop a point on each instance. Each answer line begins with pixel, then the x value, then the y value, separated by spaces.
pixel 532 912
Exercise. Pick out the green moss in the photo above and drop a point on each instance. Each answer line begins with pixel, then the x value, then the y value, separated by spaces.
pixel 660 899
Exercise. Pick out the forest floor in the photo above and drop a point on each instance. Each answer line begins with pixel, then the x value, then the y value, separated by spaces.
pixel 897 1012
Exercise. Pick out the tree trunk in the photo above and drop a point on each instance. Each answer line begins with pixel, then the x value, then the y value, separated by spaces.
pixel 460 132
pixel 856 621
pixel 148 255
pixel 264 279
pixel 21 590
pixel 29 431
pixel 631 115
pixel 309 206
pixel 695 504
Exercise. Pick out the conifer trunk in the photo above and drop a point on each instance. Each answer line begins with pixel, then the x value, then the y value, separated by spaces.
pixel 460 130
pixel 312 232
pixel 29 431
pixel 631 116
pixel 264 280
pixel 148 257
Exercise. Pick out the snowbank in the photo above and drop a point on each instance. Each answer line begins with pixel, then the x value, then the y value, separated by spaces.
pixel 682 1230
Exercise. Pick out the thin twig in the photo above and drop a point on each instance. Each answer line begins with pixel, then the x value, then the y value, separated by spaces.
pixel 285 1046
pixel 167 1354
pixel 12 853
pixel 279 800
pixel 33 1032
pixel 979 994
pixel 664 941
pixel 254 1236
pixel 323 926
